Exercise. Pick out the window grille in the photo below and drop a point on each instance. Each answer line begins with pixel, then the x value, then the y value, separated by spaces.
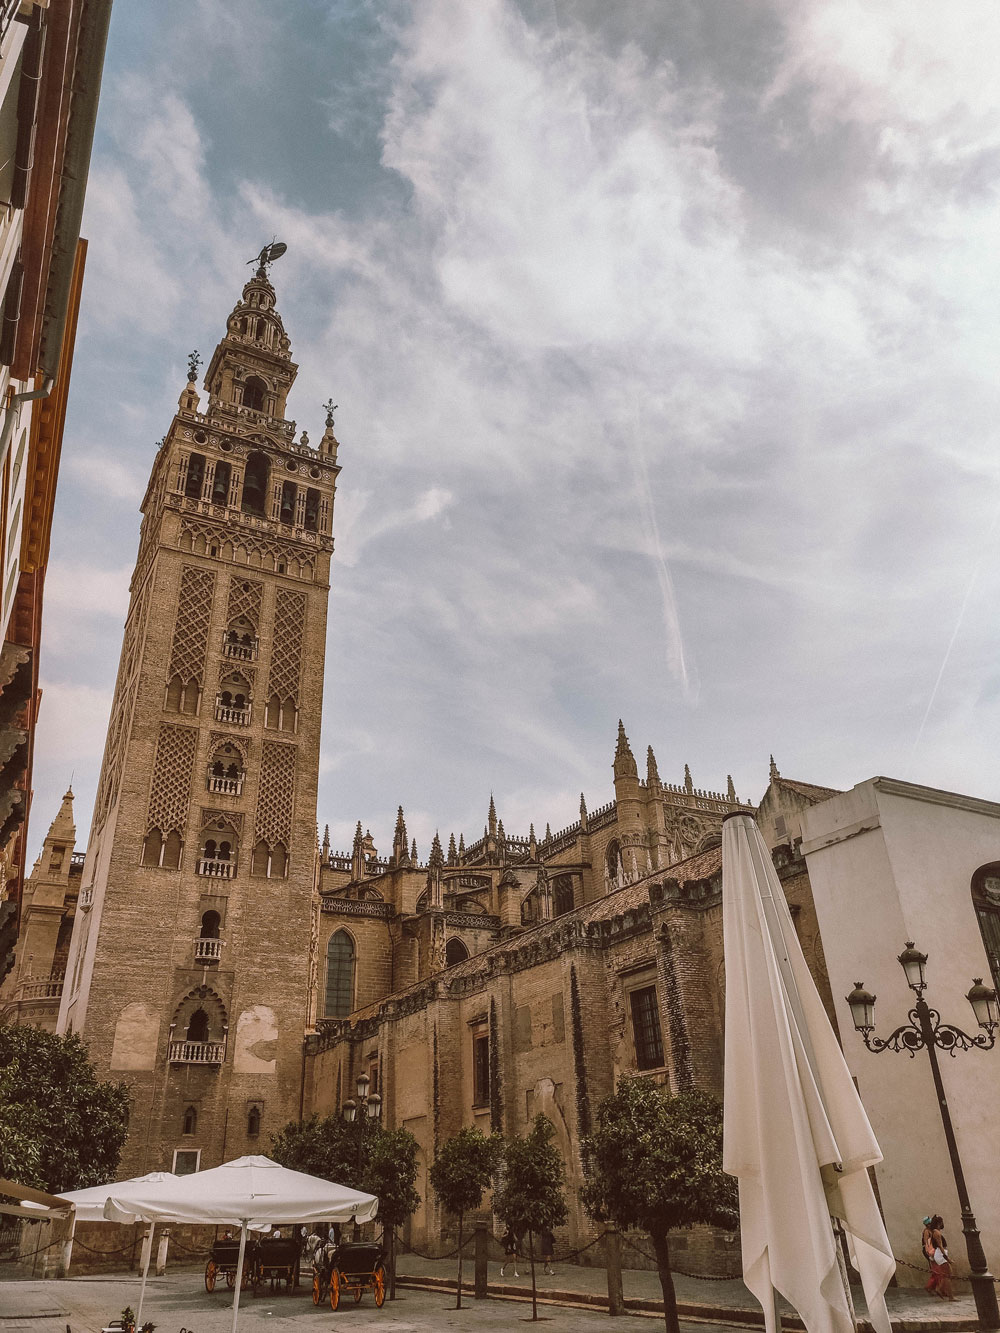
pixel 646 1028
pixel 339 975
pixel 481 1070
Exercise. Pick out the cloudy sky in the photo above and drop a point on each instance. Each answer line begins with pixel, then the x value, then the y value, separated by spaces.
pixel 665 339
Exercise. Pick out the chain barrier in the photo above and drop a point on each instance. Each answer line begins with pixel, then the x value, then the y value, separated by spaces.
pixel 103 1254
pixel 20 1258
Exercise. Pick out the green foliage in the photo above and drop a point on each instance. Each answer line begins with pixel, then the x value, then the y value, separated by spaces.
pixel 496 1074
pixel 463 1168
pixel 391 1175
pixel 531 1196
pixel 60 1127
pixel 655 1160
pixel 583 1123
pixel 328 1148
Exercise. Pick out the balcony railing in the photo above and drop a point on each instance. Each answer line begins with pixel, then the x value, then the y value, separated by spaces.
pixel 243 652
pixel 207 951
pixel 225 713
pixel 226 786
pixel 216 869
pixel 197 1052
pixel 40 990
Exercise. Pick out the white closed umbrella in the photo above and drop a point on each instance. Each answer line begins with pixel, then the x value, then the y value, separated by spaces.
pixel 795 1132
pixel 249 1193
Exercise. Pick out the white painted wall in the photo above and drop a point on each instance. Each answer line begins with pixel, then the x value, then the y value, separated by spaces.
pixel 889 862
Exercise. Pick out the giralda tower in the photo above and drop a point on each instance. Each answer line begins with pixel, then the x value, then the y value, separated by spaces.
pixel 187 973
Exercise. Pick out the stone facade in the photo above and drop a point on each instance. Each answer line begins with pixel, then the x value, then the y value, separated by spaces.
pixel 212 936
pixel 521 975
pixel 32 992
pixel 188 972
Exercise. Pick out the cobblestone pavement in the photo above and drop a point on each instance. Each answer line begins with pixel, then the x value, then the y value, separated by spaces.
pixel 910 1308
pixel 179 1301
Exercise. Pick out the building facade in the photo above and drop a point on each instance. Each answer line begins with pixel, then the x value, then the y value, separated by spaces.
pixel 51 57
pixel 188 970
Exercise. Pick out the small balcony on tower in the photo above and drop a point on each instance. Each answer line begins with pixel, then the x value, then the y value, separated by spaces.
pixel 225 771
pixel 239 642
pixel 207 945
pixel 218 854
pixel 202 1020
pixel 233 703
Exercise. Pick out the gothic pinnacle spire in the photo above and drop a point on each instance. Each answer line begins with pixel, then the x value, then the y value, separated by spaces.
pixel 624 765
pixel 730 789
pixel 774 769
pixel 452 851
pixel 436 857
pixel 413 851
pixel 688 784
pixel 652 773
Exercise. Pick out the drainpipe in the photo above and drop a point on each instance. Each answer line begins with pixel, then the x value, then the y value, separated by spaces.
pixel 13 411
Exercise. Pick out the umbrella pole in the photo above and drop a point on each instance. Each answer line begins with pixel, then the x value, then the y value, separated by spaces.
pixel 842 1265
pixel 239 1274
pixel 148 1247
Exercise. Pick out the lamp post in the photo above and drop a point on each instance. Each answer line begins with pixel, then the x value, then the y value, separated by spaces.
pixel 369 1107
pixel 925 1031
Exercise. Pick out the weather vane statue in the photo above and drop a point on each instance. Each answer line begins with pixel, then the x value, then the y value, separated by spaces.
pixel 331 407
pixel 267 256
pixel 194 361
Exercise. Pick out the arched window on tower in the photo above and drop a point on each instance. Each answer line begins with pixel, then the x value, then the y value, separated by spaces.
pixel 289 493
pixel 152 847
pixel 197 1028
pixel 195 477
pixel 172 847
pixel 253 1122
pixel 255 483
pixel 986 900
pixel 220 483
pixel 254 391
pixel 210 922
pixel 190 1118
pixel 312 509
pixel 455 952
pixel 339 975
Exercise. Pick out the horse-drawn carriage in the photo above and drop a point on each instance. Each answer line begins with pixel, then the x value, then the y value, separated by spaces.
pixel 273 1259
pixel 223 1262
pixel 354 1266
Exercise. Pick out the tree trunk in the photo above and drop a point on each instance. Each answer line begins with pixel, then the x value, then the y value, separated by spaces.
pixel 531 1257
pixel 662 1249
pixel 391 1236
pixel 458 1303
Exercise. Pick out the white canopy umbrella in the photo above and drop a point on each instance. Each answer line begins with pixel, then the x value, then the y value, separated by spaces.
pixel 88 1205
pixel 249 1193
pixel 795 1131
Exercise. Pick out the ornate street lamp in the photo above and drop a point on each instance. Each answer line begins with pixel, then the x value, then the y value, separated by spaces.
pixel 925 1031
pixel 370 1107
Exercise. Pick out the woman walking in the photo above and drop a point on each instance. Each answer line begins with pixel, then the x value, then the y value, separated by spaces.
pixel 509 1244
pixel 940 1282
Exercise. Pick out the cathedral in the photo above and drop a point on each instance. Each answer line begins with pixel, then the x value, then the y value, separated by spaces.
pixel 237 972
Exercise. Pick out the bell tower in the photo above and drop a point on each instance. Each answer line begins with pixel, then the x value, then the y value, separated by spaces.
pixel 188 969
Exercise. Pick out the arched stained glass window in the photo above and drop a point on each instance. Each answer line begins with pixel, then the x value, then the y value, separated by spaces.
pixel 339 975
pixel 986 899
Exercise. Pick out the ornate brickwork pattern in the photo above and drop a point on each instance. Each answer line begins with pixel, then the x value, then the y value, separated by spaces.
pixel 170 790
pixel 286 658
pixel 123 707
pixel 244 601
pixel 194 612
pixel 275 796
pixel 248 548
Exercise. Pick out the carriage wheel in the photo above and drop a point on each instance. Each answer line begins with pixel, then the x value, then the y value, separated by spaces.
pixel 230 1278
pixel 317 1293
pixel 334 1289
pixel 210 1275
pixel 378 1285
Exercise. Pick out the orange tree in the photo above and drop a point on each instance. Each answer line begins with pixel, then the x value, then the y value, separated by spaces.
pixel 530 1197
pixel 654 1161
pixel 460 1175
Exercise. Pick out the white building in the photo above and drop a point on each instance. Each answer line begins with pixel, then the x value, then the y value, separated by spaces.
pixel 889 862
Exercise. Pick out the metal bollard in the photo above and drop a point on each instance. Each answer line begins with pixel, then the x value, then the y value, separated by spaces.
pixel 482 1237
pixel 613 1263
